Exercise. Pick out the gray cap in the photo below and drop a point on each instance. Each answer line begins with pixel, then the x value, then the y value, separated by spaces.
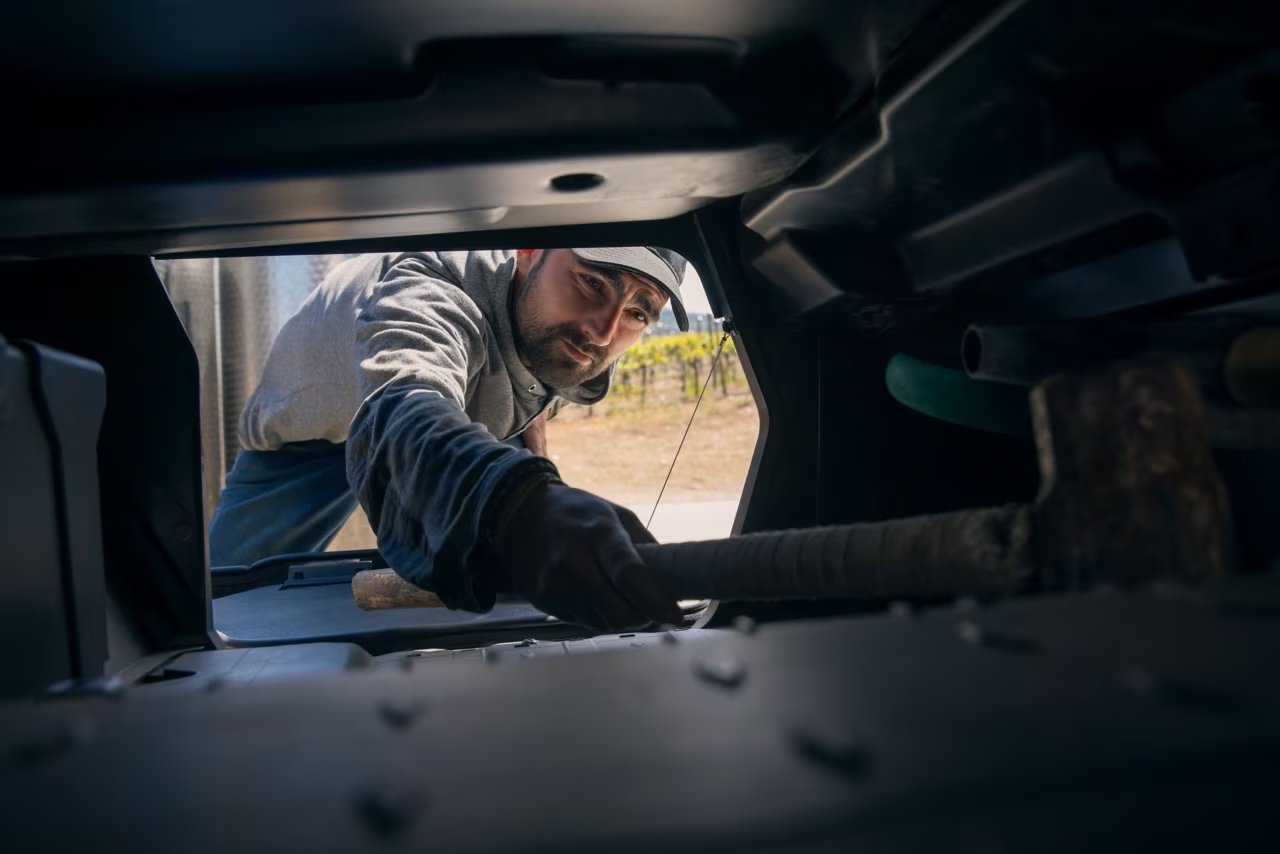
pixel 661 266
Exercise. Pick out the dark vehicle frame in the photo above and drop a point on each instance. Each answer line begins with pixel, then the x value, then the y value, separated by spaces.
pixel 855 182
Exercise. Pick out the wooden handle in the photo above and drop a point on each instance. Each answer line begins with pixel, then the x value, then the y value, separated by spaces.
pixel 376 589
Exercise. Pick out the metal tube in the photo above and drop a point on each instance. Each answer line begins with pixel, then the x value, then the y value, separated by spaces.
pixel 1231 361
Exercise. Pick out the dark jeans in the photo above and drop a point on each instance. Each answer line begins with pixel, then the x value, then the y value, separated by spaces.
pixel 295 499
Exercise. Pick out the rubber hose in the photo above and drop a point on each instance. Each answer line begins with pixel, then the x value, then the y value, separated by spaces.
pixel 965 552
pixel 968 552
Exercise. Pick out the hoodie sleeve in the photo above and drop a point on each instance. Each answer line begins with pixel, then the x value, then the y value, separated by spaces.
pixel 431 481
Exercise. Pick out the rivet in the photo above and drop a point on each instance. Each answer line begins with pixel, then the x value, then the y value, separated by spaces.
pixel 401 714
pixel 76 733
pixel 1139 682
pixel 725 672
pixel 837 753
pixel 901 610
pixel 969 631
pixel 1149 686
pixel 389 810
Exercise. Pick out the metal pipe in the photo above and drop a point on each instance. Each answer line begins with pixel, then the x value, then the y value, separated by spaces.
pixel 1025 354
pixel 1231 361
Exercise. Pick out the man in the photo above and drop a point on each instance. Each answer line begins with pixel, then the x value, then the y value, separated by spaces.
pixel 396 383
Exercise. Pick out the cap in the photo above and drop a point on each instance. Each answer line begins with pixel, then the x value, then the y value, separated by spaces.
pixel 661 266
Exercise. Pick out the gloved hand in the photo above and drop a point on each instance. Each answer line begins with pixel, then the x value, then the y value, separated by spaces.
pixel 572 554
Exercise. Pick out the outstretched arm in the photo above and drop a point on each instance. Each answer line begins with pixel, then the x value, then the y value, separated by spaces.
pixel 455 510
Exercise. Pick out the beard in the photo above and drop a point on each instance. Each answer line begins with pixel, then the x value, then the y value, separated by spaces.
pixel 543 347
pixel 541 344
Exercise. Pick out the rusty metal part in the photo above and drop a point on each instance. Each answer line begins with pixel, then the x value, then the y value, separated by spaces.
pixel 1129 492
pixel 1129 489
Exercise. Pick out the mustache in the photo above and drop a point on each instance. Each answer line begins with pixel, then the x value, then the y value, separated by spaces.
pixel 596 353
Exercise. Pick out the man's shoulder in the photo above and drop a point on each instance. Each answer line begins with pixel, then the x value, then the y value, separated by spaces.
pixel 465 269
pixel 464 289
pixel 474 283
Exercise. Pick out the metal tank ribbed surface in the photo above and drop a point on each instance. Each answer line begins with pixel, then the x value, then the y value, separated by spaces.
pixel 233 308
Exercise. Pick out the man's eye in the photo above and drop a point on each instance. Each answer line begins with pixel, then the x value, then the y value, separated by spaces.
pixel 593 283
pixel 641 317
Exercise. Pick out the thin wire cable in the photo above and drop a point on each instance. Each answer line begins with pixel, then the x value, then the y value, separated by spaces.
pixel 711 373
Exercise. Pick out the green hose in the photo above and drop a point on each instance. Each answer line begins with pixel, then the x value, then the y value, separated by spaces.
pixel 949 395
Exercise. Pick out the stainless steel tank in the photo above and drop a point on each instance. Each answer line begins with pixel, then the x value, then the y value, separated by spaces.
pixel 233 308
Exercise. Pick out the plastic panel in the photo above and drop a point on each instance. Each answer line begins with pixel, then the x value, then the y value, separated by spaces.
pixel 53 612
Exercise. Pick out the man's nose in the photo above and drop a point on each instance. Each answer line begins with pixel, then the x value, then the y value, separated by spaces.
pixel 602 325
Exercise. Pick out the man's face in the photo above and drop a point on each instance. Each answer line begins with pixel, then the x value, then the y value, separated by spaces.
pixel 574 319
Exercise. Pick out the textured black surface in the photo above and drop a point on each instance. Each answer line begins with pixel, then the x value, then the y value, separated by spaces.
pixel 54 603
pixel 1103 721
pixel 221 124
pixel 963 156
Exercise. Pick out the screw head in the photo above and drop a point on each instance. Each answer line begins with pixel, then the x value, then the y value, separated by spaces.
pixel 725 673
pixel 400 714
pixel 389 810
pixel 839 752
pixel 76 732
pixel 969 631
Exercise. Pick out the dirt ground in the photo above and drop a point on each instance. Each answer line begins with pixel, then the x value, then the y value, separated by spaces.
pixel 624 455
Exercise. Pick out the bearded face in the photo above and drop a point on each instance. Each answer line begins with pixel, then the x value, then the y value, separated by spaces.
pixel 573 320
pixel 555 364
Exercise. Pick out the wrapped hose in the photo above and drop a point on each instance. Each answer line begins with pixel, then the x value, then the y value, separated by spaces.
pixel 965 552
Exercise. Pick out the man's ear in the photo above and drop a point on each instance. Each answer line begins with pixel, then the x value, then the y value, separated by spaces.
pixel 525 259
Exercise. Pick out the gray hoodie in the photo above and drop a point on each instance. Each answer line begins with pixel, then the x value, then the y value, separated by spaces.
pixel 411 360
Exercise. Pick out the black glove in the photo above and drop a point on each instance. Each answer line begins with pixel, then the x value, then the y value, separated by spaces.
pixel 572 554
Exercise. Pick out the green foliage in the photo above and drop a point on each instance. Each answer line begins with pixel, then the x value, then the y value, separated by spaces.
pixel 657 362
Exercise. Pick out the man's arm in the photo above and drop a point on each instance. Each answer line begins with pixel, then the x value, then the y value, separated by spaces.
pixel 423 472
pixel 455 510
